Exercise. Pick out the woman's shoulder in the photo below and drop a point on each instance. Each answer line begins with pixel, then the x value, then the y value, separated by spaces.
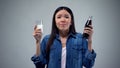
pixel 46 36
pixel 78 35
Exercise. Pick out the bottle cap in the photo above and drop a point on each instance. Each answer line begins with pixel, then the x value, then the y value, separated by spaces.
pixel 90 17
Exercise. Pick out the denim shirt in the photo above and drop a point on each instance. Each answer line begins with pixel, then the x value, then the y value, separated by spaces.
pixel 77 53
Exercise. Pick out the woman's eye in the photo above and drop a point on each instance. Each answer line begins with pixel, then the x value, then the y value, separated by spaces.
pixel 66 16
pixel 58 17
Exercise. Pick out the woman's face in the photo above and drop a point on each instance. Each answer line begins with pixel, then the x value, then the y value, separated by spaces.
pixel 63 20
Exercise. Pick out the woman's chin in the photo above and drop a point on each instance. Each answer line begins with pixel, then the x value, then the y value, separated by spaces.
pixel 64 30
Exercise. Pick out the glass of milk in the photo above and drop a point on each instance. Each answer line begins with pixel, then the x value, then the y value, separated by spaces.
pixel 39 25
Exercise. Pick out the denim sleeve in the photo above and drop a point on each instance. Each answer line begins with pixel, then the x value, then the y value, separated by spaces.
pixel 37 61
pixel 40 61
pixel 88 57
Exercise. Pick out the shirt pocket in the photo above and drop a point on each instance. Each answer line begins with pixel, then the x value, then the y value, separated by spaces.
pixel 52 51
pixel 53 54
pixel 77 52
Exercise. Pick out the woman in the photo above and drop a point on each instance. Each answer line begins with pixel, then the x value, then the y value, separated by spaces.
pixel 64 47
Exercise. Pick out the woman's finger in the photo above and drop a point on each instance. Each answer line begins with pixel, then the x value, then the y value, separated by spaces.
pixel 90 26
pixel 35 27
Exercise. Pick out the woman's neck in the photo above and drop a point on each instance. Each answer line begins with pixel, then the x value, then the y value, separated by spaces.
pixel 63 33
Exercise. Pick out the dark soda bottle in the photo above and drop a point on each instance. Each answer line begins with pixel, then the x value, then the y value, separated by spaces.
pixel 89 22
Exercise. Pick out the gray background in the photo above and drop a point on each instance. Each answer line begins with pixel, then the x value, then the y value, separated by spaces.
pixel 17 19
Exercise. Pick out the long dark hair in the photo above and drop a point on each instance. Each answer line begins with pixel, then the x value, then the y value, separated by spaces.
pixel 55 30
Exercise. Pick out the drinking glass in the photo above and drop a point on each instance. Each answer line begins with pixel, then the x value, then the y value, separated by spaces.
pixel 39 25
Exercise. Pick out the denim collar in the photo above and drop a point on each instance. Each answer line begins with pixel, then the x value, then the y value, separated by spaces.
pixel 69 35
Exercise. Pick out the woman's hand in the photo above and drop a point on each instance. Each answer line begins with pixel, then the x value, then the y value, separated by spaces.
pixel 89 31
pixel 37 34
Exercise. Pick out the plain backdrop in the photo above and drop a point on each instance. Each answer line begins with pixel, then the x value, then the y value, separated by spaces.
pixel 17 20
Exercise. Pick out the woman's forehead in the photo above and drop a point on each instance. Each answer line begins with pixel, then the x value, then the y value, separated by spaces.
pixel 62 12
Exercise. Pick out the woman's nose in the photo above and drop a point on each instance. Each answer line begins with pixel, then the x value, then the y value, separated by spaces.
pixel 62 19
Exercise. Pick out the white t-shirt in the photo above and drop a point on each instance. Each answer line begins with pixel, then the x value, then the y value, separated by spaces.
pixel 63 56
